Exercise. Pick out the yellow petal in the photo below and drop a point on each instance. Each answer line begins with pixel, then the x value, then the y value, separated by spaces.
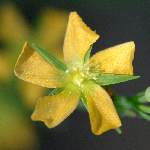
pixel 51 30
pixel 78 38
pixel 117 59
pixel 102 113
pixel 33 68
pixel 52 110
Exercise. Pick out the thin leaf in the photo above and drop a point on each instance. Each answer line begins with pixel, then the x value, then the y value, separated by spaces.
pixel 109 79
pixel 87 55
pixel 49 57
pixel 147 94
pixel 55 91
pixel 144 116
pixel 130 113
pixel 140 97
pixel 118 130
pixel 145 109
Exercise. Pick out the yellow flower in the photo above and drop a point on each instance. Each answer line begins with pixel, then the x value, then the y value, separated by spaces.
pixel 78 80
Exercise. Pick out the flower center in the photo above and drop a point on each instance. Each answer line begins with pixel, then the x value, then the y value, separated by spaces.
pixel 78 78
pixel 79 73
pixel 76 74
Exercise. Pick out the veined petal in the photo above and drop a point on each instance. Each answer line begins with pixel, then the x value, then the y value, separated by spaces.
pixel 116 60
pixel 102 113
pixel 78 38
pixel 33 68
pixel 52 110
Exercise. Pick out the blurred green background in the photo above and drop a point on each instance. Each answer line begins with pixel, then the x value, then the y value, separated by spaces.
pixel 44 22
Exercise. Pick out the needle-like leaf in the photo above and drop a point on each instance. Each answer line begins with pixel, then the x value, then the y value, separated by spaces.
pixel 147 94
pixel 144 108
pixel 55 91
pixel 49 57
pixel 145 116
pixel 87 55
pixel 109 79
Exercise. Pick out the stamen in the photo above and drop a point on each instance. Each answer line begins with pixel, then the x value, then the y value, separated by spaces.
pixel 77 73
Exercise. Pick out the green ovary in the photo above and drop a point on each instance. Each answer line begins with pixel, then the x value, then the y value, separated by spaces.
pixel 77 75
pixel 78 78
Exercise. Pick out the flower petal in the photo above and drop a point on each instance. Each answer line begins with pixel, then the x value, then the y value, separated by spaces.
pixel 33 68
pixel 52 110
pixel 117 59
pixel 78 38
pixel 102 113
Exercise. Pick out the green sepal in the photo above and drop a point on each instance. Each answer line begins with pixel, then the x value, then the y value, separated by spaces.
pixel 109 79
pixel 55 91
pixel 50 57
pixel 87 55
pixel 81 107
pixel 83 99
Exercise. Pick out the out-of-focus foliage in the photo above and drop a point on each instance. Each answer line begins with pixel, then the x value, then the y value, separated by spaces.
pixel 14 31
pixel 5 70
pixel 50 30
pixel 16 131
pixel 17 97
pixel 134 106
